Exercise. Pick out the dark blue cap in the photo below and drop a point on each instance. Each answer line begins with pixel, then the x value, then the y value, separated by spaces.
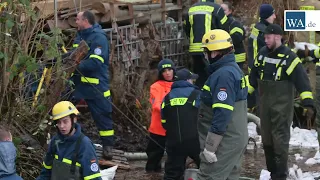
pixel 166 63
pixel 185 74
pixel 266 10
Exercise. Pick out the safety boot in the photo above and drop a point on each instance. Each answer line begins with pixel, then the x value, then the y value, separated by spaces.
pixel 282 166
pixel 107 152
pixel 270 159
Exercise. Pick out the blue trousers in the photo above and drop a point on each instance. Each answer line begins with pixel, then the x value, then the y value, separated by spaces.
pixel 101 112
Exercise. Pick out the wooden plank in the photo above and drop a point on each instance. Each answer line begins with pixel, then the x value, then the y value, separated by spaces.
pixel 173 8
pixel 163 6
pixel 111 163
pixel 62 24
pixel 46 9
pixel 128 1
pixel 139 14
pixel 180 11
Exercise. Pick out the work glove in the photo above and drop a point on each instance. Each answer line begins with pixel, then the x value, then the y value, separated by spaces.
pixel 302 53
pixel 212 142
pixel 210 156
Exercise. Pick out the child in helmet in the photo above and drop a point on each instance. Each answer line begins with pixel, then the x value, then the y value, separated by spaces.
pixel 71 154
pixel 158 90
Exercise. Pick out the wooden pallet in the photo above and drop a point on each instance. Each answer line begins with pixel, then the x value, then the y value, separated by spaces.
pixel 118 159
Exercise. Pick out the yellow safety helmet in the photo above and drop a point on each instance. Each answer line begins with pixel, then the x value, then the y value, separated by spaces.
pixel 63 109
pixel 216 39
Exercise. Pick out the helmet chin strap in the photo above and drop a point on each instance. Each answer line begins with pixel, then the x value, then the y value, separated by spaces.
pixel 217 57
pixel 72 126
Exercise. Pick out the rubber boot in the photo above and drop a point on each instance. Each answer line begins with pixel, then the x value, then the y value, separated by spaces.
pixel 282 166
pixel 270 160
pixel 107 152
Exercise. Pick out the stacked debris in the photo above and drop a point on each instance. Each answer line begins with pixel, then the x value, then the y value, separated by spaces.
pixel 105 12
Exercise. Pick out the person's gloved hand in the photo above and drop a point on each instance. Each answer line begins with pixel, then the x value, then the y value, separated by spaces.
pixel 210 156
pixel 212 142
pixel 302 53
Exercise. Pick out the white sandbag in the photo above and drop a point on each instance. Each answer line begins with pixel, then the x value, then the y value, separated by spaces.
pixel 300 45
pixel 108 174
pixel 264 175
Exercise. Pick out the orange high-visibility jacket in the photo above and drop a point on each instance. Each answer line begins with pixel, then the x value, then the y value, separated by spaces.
pixel 158 91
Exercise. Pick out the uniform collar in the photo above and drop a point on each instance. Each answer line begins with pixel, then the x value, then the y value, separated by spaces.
pixel 275 52
pixel 265 22
pixel 90 29
pixel 85 32
pixel 221 62
pixel 182 83
pixel 74 137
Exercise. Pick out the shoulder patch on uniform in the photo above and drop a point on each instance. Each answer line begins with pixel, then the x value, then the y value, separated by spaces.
pixel 97 51
pixel 94 167
pixel 222 95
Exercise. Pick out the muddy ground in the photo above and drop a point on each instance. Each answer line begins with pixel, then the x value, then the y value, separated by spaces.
pixel 252 165
pixel 131 139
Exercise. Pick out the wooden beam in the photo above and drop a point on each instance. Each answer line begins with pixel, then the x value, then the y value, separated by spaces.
pixel 128 1
pixel 163 6
pixel 111 163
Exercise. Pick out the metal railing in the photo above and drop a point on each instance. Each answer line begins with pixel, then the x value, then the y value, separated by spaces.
pixel 171 40
pixel 127 44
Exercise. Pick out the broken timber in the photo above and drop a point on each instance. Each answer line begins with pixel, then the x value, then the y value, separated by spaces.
pixel 118 159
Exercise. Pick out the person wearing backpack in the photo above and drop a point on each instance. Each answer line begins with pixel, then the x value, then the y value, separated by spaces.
pixel 71 154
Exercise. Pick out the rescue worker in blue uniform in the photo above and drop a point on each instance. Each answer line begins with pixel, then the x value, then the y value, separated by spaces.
pixel 71 154
pixel 276 71
pixel 201 18
pixel 91 78
pixel 256 42
pixel 222 121
pixel 179 112
pixel 237 33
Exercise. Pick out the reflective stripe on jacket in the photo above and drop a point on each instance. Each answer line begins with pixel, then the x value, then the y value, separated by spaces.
pixel 237 33
pixel 91 77
pixel 256 41
pixel 279 65
pixel 203 17
pixel 225 86
pixel 179 112
pixel 63 152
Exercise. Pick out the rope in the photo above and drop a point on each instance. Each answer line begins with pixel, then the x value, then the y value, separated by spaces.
pixel 139 128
